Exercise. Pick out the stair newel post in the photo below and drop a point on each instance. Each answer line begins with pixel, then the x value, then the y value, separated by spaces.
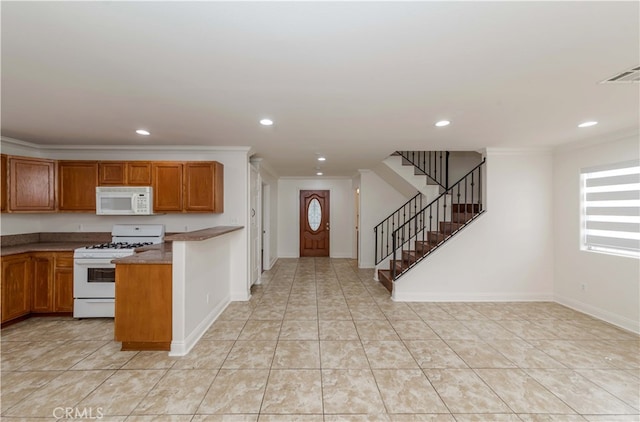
pixel 415 214
pixel 480 186
pixel 375 231
pixel 393 267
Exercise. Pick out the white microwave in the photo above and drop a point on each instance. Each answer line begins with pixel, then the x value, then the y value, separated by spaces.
pixel 124 200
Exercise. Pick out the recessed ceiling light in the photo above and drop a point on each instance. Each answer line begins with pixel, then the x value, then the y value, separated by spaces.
pixel 266 122
pixel 588 124
pixel 143 132
pixel 442 123
pixel 319 173
pixel 322 159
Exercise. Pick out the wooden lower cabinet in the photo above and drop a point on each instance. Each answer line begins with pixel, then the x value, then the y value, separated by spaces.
pixel 63 282
pixel 42 282
pixel 15 286
pixel 143 317
pixel 36 283
pixel 52 282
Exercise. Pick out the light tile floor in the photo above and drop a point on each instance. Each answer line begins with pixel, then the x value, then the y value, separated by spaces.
pixel 321 341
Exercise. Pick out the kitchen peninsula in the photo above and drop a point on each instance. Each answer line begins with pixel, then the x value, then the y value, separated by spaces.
pixel 168 295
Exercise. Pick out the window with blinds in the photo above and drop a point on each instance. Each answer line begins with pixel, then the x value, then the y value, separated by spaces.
pixel 611 209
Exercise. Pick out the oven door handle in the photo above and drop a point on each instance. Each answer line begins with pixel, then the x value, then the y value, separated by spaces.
pixel 97 261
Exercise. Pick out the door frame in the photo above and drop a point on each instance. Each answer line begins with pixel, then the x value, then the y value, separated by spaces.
pixel 300 222
pixel 266 226
pixel 257 211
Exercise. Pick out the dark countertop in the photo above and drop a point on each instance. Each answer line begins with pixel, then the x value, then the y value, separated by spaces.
pixel 49 242
pixel 203 234
pixel 152 254
pixel 43 247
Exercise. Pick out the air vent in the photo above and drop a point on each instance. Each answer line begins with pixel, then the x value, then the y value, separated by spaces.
pixel 628 76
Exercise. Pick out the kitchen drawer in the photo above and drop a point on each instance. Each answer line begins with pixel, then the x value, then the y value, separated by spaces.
pixel 64 260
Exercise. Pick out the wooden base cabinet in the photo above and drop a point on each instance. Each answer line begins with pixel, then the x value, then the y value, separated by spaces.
pixel 143 317
pixel 63 282
pixel 15 286
pixel 42 282
pixel 52 282
pixel 36 283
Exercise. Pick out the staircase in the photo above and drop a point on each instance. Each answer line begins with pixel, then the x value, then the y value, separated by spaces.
pixel 414 231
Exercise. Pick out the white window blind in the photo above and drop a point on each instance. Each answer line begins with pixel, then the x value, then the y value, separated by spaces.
pixel 611 208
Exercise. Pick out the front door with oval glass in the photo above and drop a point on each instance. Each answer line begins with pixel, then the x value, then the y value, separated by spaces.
pixel 314 223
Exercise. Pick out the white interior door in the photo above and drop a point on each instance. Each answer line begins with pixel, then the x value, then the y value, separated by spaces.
pixel 255 230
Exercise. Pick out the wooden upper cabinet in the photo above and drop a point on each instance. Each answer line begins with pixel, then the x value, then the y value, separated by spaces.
pixel 124 173
pixel 138 173
pixel 3 182
pixel 204 186
pixel 31 184
pixel 77 185
pixel 111 173
pixel 167 186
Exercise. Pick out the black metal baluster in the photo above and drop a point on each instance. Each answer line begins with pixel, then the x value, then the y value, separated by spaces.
pixel 472 201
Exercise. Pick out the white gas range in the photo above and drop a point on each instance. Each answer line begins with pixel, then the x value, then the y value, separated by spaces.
pixel 94 275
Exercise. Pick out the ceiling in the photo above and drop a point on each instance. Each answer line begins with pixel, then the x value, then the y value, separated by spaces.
pixel 353 81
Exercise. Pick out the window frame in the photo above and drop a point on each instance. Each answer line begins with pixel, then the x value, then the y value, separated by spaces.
pixel 609 204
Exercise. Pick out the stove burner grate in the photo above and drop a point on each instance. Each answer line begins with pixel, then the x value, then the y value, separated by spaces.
pixel 119 245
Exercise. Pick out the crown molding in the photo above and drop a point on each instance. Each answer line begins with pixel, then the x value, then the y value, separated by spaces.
pixel 599 139
pixel 493 151
pixel 111 148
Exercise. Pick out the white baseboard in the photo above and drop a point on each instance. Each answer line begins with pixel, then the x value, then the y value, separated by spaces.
pixel 342 255
pixel 181 348
pixel 468 297
pixel 602 314
pixel 240 297
pixel 271 264
pixel 339 255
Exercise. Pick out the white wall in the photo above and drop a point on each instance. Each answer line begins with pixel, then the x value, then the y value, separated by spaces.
pixel 341 215
pixel 461 162
pixel 611 282
pixel 507 253
pixel 378 200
